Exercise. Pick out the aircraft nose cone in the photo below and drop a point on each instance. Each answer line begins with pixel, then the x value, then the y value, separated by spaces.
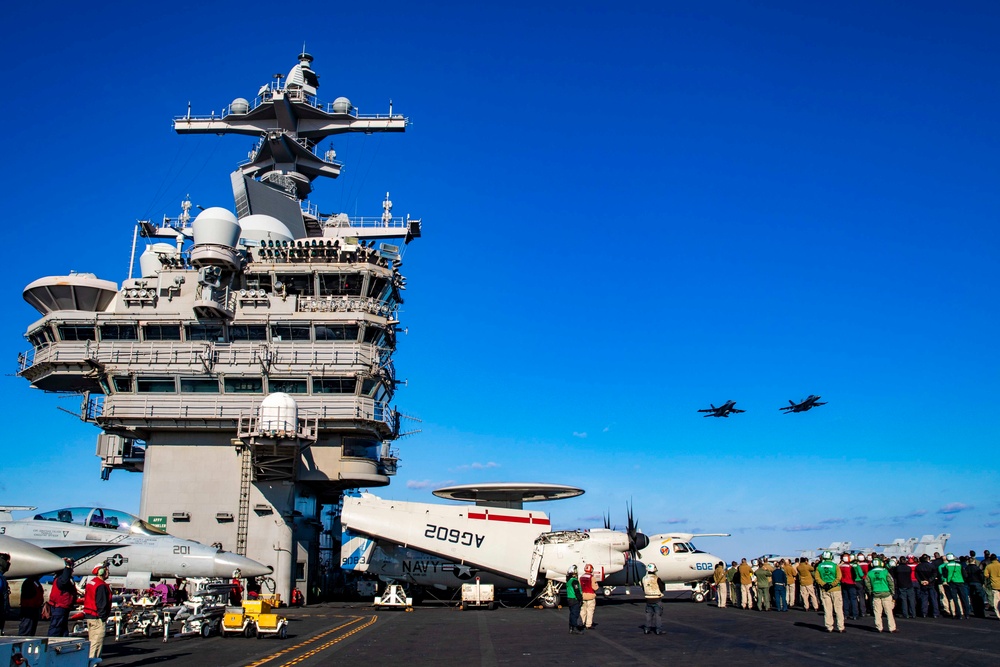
pixel 27 559
pixel 227 561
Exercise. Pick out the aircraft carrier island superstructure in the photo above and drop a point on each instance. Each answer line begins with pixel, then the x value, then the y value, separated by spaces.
pixel 247 371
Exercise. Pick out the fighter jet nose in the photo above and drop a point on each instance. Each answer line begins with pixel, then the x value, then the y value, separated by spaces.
pixel 27 559
pixel 226 562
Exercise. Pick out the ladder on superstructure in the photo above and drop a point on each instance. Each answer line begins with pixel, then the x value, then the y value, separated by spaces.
pixel 244 517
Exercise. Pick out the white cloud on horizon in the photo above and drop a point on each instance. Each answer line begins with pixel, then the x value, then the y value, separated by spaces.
pixel 954 508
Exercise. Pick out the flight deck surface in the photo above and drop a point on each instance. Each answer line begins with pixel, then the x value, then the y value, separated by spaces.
pixel 696 634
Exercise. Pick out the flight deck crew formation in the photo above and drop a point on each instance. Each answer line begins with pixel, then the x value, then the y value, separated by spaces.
pixel 860 585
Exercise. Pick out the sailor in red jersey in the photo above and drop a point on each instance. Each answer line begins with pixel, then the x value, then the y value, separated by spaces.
pixel 96 609
pixel 847 582
pixel 588 584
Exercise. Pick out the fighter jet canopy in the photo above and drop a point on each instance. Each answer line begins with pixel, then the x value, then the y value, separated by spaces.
pixel 99 517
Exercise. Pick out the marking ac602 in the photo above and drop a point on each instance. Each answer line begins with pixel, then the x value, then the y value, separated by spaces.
pixel 453 535
pixel 704 566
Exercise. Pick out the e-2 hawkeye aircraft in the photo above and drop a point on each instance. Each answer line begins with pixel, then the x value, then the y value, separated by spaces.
pixel 496 536
pixel 134 551
pixel 679 565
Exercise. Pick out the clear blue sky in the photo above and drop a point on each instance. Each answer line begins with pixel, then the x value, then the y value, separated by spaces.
pixel 630 212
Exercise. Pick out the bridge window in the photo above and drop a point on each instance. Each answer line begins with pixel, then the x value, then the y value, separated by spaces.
pixel 337 332
pixel 283 331
pixel 248 385
pixel 122 384
pixel 259 281
pixel 287 386
pixel 119 332
pixel 374 334
pixel 76 332
pixel 212 332
pixel 155 385
pixel 40 337
pixel 334 385
pixel 199 386
pixel 247 332
pixel 297 284
pixel 340 284
pixel 161 332
pixel 378 287
pixel 360 449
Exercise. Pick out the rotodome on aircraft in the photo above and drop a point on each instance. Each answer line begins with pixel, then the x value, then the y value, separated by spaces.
pixel 808 403
pixel 724 410
pixel 133 550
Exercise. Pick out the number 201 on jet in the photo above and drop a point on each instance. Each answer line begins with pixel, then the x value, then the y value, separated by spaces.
pixel 452 535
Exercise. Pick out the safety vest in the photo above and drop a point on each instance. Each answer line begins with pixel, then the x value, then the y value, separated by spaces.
pixel 651 587
pixel 570 589
pixel 879 577
pixel 827 572
pixel 90 597
pixel 35 597
pixel 953 573
pixel 60 598
pixel 587 584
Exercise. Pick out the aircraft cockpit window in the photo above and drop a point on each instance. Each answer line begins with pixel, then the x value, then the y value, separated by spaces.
pixel 680 548
pixel 65 516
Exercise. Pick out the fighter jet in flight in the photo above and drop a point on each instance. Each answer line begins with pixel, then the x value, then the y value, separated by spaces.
pixel 724 410
pixel 810 402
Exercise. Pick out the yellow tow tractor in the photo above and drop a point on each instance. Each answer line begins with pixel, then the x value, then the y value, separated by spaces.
pixel 253 618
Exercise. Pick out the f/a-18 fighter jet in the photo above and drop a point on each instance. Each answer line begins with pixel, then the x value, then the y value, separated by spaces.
pixel 810 402
pixel 724 410
pixel 134 551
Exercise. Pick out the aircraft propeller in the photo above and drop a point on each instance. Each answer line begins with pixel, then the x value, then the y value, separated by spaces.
pixel 636 543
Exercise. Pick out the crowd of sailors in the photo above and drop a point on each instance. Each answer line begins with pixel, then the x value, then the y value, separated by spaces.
pixel 865 585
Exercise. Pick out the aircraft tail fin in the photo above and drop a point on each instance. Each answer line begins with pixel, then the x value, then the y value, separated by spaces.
pixel 355 551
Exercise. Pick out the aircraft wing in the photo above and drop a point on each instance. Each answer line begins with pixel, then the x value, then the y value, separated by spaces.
pixel 494 539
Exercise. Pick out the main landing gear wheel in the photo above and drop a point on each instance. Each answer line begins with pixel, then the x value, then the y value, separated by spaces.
pixel 549 601
pixel 607 591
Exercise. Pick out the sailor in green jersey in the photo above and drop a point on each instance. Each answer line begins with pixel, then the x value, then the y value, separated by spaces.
pixel 574 599
pixel 955 587
pixel 880 584
pixel 828 577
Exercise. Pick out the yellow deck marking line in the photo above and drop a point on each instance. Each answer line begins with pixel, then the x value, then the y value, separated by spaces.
pixel 330 643
pixel 301 644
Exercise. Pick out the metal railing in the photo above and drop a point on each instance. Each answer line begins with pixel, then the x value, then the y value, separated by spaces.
pixel 170 407
pixel 169 355
pixel 293 94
